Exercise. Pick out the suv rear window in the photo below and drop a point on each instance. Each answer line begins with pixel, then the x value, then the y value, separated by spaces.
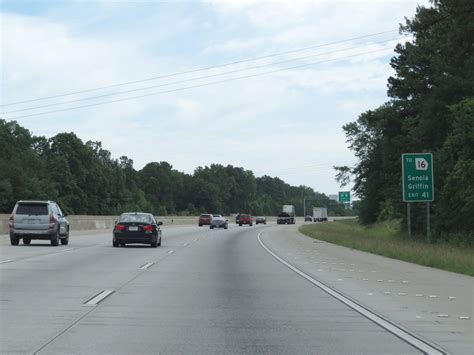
pixel 35 209
pixel 244 216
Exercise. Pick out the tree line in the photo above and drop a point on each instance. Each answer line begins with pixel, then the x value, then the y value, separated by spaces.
pixel 431 109
pixel 84 178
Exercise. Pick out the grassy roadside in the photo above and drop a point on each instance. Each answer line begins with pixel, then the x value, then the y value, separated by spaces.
pixel 387 239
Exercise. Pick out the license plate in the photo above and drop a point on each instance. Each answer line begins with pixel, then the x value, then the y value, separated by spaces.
pixel 132 229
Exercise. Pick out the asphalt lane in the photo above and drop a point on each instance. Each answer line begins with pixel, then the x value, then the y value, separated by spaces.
pixel 203 291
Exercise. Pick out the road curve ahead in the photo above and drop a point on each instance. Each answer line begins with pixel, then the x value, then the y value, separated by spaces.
pixel 204 291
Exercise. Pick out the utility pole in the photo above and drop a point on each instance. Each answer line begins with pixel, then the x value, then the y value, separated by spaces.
pixel 304 206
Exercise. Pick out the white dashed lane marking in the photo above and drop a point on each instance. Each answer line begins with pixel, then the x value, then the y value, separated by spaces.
pixel 98 298
pixel 146 266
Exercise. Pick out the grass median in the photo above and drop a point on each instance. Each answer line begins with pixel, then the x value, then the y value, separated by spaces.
pixel 387 239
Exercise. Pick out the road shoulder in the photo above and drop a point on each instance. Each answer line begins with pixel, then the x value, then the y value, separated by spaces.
pixel 434 303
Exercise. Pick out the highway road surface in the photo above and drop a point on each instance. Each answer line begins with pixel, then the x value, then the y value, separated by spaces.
pixel 261 289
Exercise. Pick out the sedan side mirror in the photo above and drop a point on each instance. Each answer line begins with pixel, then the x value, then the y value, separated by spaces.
pixel 160 223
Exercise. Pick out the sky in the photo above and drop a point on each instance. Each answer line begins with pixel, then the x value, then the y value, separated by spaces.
pixel 282 78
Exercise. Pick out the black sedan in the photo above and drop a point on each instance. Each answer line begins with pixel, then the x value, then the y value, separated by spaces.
pixel 136 227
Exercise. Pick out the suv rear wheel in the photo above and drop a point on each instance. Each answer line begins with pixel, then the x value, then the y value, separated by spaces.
pixel 14 240
pixel 65 239
pixel 55 239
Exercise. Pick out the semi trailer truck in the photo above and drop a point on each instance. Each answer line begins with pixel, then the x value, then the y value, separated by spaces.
pixel 287 216
pixel 320 214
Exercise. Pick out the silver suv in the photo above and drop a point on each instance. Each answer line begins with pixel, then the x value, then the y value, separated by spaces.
pixel 38 220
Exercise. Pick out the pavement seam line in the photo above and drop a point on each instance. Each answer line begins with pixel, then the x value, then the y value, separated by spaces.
pixel 64 331
pixel 55 252
pixel 140 272
pixel 409 337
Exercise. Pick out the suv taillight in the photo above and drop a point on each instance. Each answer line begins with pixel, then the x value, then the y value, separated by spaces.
pixel 51 218
pixel 11 221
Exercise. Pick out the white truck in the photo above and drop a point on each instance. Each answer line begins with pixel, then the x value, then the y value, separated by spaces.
pixel 287 216
pixel 320 214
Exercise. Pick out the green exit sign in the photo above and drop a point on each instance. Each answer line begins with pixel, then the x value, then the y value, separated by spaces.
pixel 344 196
pixel 418 182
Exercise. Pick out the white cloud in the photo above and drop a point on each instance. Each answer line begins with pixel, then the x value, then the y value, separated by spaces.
pixel 270 123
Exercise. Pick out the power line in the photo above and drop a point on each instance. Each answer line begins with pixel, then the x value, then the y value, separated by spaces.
pixel 196 79
pixel 291 170
pixel 200 69
pixel 202 85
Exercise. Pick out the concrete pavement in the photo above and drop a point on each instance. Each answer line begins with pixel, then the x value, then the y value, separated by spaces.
pixel 203 291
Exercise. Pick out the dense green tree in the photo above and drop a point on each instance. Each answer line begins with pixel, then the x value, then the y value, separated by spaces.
pixel 430 111
pixel 85 179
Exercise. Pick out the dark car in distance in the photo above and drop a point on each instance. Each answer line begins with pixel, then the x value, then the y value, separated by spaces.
pixel 205 219
pixel 137 227
pixel 245 219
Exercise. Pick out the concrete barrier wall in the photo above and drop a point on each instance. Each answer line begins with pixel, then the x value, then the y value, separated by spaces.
pixel 4 223
pixel 77 222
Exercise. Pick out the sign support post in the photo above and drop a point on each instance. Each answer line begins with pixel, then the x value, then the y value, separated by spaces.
pixel 409 220
pixel 428 221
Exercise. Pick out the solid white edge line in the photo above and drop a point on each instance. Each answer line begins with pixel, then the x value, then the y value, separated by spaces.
pixel 403 334
pixel 146 266
pixel 99 298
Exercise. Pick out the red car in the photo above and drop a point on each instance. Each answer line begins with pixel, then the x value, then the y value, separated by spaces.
pixel 205 219
pixel 245 219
